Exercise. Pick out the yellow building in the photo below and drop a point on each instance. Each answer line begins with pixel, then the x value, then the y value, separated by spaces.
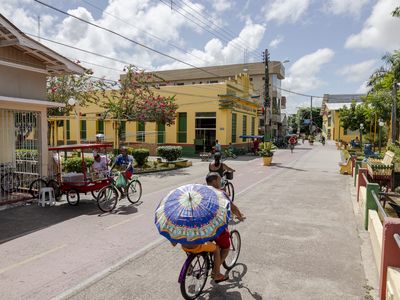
pixel 331 106
pixel 221 111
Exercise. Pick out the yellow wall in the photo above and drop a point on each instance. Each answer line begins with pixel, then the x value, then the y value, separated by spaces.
pixel 337 131
pixel 190 99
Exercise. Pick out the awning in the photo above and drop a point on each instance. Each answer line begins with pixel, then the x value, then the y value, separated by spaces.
pixel 251 136
pixel 35 102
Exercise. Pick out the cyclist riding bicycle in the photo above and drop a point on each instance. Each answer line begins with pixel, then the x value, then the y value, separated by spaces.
pixel 223 240
pixel 218 166
pixel 292 142
pixel 124 162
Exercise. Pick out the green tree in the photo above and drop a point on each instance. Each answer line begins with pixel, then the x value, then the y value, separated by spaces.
pixel 82 88
pixel 134 99
pixel 351 117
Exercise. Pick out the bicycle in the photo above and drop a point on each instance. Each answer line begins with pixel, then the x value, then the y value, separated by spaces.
pixel 9 180
pixel 291 146
pixel 108 196
pixel 227 186
pixel 37 184
pixel 194 272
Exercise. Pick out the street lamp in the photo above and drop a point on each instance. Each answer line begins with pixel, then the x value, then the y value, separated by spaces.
pixel 380 129
pixel 361 130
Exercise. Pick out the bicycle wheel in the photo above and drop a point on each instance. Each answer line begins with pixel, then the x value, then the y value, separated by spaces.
pixel 73 197
pixel 10 182
pixel 195 276
pixel 95 194
pixel 230 191
pixel 234 250
pixel 134 189
pixel 56 187
pixel 35 187
pixel 107 198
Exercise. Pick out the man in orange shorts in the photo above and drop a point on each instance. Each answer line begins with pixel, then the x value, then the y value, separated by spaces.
pixel 223 241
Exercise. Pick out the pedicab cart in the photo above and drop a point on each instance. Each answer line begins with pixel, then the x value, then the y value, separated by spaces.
pixel 73 183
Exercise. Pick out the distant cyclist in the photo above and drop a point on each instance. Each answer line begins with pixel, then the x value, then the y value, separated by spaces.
pixel 218 166
pixel 292 143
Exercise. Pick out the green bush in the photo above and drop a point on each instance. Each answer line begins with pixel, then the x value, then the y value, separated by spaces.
pixel 140 155
pixel 170 153
pixel 74 164
pixel 396 150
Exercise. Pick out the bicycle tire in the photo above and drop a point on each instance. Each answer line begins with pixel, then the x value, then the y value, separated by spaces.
pixel 107 198
pixel 136 194
pixel 192 272
pixel 35 187
pixel 230 191
pixel 56 187
pixel 73 197
pixel 234 248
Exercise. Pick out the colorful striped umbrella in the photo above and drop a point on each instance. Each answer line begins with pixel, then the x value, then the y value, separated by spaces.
pixel 193 214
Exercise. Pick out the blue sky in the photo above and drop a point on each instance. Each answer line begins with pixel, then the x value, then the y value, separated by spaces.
pixel 333 45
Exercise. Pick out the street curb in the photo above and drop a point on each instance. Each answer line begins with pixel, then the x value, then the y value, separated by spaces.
pixel 106 272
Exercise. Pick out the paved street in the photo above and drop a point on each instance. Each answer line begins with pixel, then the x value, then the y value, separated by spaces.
pixel 299 240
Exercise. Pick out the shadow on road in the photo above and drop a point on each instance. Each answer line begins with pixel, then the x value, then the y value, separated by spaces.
pixel 176 172
pixel 22 220
pixel 222 290
pixel 279 165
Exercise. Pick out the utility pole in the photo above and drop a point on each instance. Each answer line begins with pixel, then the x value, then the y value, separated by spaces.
pixel 311 117
pixel 394 109
pixel 267 101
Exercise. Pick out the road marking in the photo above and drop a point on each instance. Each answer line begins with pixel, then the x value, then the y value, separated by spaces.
pixel 124 221
pixel 28 260
pixel 102 274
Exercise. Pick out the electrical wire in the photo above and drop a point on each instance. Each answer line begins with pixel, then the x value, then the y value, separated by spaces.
pixel 124 37
pixel 227 32
pixel 205 26
pixel 146 32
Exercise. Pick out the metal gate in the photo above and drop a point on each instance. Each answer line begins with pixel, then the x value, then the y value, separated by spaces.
pixel 20 161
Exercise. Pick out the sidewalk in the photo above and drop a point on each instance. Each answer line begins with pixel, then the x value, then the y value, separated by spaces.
pixel 300 241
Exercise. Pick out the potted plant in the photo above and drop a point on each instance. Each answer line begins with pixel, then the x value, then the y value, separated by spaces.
pixel 266 152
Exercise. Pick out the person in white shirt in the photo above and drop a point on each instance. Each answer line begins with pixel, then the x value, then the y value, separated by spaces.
pixel 100 164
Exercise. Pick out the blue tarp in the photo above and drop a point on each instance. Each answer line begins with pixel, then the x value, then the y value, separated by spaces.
pixel 251 136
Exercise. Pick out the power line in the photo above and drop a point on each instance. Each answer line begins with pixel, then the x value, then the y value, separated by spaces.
pixel 205 26
pixel 228 33
pixel 124 37
pixel 146 32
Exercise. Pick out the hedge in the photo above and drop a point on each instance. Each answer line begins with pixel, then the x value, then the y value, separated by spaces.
pixel 74 164
pixel 140 155
pixel 170 153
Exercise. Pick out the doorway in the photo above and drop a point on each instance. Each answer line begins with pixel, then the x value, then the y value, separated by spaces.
pixel 205 131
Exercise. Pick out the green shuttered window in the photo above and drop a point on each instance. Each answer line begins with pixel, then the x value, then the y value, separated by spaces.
pixel 244 131
pixel 234 125
pixel 182 128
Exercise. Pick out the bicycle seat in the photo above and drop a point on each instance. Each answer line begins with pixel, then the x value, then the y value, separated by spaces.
pixel 195 249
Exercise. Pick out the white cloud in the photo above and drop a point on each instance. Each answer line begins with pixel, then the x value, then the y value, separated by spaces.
pixel 285 10
pixel 352 7
pixel 222 5
pixel 380 31
pixel 143 18
pixel 216 53
pixel 276 42
pixel 363 89
pixel 302 75
pixel 358 72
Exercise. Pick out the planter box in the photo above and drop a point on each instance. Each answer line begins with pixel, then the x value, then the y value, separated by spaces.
pixel 267 160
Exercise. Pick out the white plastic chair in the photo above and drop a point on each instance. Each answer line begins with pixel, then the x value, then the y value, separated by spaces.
pixel 46 196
